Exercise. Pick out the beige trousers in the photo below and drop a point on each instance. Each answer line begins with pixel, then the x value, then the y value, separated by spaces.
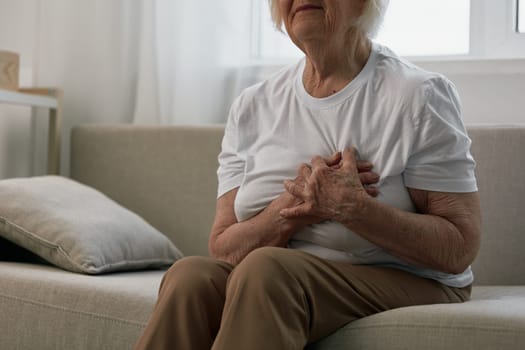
pixel 276 299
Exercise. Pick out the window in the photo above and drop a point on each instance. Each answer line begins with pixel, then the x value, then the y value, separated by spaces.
pixel 521 16
pixel 416 28
pixel 422 28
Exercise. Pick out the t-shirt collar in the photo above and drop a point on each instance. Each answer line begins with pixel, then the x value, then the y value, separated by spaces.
pixel 339 97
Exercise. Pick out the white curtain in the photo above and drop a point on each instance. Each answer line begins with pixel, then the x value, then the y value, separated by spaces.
pixel 190 56
pixel 142 61
pixel 90 49
pixel 146 61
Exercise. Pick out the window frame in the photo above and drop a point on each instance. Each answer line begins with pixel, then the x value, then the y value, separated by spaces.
pixel 494 33
pixel 520 26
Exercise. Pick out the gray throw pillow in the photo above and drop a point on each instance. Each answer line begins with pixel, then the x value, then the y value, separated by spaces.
pixel 77 228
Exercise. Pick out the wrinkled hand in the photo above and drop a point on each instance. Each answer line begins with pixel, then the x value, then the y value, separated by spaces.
pixel 366 176
pixel 287 200
pixel 330 189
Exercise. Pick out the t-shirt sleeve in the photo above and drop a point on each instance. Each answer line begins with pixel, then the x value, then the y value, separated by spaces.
pixel 231 165
pixel 440 158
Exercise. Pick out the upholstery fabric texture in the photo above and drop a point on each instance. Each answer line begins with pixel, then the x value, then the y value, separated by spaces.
pixel 78 228
pixel 171 169
pixel 493 319
pixel 48 308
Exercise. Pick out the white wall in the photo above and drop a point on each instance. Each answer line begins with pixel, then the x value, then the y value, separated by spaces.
pixel 491 91
pixel 17 29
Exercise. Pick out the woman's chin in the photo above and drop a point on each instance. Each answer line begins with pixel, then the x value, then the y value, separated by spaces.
pixel 306 29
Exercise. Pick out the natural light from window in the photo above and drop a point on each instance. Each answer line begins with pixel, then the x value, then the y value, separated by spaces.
pixel 521 16
pixel 427 27
pixel 411 28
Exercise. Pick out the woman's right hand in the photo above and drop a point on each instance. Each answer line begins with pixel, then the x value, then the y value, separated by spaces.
pixel 364 168
pixel 286 200
pixel 368 177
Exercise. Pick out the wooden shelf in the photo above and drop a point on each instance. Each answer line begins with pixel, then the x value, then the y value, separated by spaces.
pixel 51 99
pixel 28 99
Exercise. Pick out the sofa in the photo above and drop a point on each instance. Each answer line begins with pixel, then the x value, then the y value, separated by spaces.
pixel 166 174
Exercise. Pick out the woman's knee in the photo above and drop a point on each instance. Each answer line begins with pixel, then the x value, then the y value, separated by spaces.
pixel 264 267
pixel 195 274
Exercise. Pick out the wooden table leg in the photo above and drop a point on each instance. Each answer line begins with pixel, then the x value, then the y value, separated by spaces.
pixel 54 136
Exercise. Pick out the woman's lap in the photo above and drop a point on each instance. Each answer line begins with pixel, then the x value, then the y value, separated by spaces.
pixel 337 293
pixel 299 297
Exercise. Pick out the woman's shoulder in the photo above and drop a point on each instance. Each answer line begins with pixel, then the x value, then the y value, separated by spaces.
pixel 421 92
pixel 404 75
pixel 275 82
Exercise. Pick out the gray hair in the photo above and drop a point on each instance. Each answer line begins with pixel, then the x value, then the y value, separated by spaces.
pixel 369 22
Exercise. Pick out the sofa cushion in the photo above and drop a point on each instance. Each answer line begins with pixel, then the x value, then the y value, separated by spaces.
pixel 44 307
pixel 78 228
pixel 493 319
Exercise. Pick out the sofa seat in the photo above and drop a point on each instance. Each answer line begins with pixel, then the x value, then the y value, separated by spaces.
pixel 48 308
pixel 44 307
pixel 493 319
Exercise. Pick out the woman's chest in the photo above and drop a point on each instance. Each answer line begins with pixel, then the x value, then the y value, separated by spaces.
pixel 276 152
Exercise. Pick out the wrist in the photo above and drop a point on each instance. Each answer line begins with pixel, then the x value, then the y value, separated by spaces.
pixel 354 212
pixel 282 227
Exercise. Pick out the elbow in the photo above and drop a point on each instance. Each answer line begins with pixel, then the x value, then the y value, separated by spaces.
pixel 460 264
pixel 465 252
pixel 451 267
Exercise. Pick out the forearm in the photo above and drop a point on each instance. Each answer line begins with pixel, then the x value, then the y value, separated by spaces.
pixel 425 240
pixel 445 237
pixel 267 228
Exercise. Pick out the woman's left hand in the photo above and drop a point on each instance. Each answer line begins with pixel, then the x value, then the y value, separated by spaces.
pixel 328 192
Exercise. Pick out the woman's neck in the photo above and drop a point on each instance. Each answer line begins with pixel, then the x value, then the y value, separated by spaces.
pixel 331 66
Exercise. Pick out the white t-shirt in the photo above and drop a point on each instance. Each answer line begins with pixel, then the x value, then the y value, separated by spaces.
pixel 402 119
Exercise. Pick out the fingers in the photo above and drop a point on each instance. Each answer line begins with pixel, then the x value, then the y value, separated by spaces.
pixel 304 171
pixel 372 191
pixel 368 178
pixel 294 212
pixel 364 166
pixel 318 162
pixel 349 160
pixel 333 160
pixel 294 189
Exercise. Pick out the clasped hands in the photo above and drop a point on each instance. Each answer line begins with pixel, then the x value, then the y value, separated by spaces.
pixel 330 188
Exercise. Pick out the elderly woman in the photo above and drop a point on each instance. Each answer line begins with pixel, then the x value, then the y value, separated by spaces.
pixel 302 243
